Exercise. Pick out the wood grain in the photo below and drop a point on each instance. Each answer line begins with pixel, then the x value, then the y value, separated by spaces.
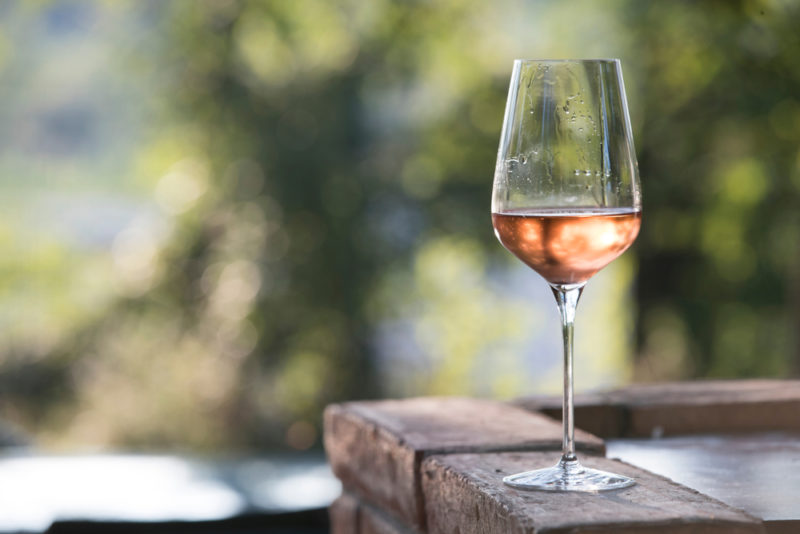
pixel 376 448
pixel 465 494
pixel 701 407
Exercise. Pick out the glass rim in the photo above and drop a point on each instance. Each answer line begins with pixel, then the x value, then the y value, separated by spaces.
pixel 596 60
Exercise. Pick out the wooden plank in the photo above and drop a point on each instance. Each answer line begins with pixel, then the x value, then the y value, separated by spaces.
pixel 349 515
pixel 782 527
pixel 756 473
pixel 464 493
pixel 375 521
pixel 709 407
pixel 594 413
pixel 375 448
pixel 701 407
pixel 343 514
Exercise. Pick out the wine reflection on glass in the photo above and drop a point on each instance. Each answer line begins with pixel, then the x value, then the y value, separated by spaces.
pixel 566 201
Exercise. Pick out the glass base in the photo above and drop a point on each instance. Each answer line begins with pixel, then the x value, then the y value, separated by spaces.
pixel 568 475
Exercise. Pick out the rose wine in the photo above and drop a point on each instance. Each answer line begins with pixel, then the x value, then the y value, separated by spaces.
pixel 567 246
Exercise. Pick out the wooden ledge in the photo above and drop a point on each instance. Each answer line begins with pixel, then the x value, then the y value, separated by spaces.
pixel 376 448
pixel 434 466
pixel 701 407
pixel 464 493
pixel 350 515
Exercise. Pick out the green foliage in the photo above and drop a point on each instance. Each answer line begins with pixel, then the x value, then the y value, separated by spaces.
pixel 717 254
pixel 323 169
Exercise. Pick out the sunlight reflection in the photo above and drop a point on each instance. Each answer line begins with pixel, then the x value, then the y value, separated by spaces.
pixel 301 489
pixel 35 491
pixel 752 472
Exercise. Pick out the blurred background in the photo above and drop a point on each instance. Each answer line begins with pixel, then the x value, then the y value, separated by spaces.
pixel 220 216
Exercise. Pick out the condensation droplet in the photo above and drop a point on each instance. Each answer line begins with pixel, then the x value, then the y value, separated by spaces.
pixel 523 159
pixel 577 172
pixel 587 172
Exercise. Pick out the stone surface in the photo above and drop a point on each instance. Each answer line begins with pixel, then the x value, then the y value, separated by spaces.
pixel 702 407
pixel 464 494
pixel 375 448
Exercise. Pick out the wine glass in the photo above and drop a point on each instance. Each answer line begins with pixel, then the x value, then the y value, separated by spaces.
pixel 566 201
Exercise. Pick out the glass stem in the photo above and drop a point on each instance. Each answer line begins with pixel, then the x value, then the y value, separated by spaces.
pixel 567 298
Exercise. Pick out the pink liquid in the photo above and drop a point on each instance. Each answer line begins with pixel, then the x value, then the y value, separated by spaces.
pixel 567 246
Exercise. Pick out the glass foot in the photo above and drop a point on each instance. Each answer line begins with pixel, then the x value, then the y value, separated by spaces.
pixel 568 475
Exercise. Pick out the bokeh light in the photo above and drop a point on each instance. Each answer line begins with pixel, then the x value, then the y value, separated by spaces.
pixel 219 217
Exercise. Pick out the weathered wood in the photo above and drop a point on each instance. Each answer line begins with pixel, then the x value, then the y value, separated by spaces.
pixel 343 514
pixel 375 521
pixel 464 494
pixel 712 407
pixel 349 515
pixel 375 448
pixel 752 472
pixel 594 413
pixel 702 407
pixel 782 527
